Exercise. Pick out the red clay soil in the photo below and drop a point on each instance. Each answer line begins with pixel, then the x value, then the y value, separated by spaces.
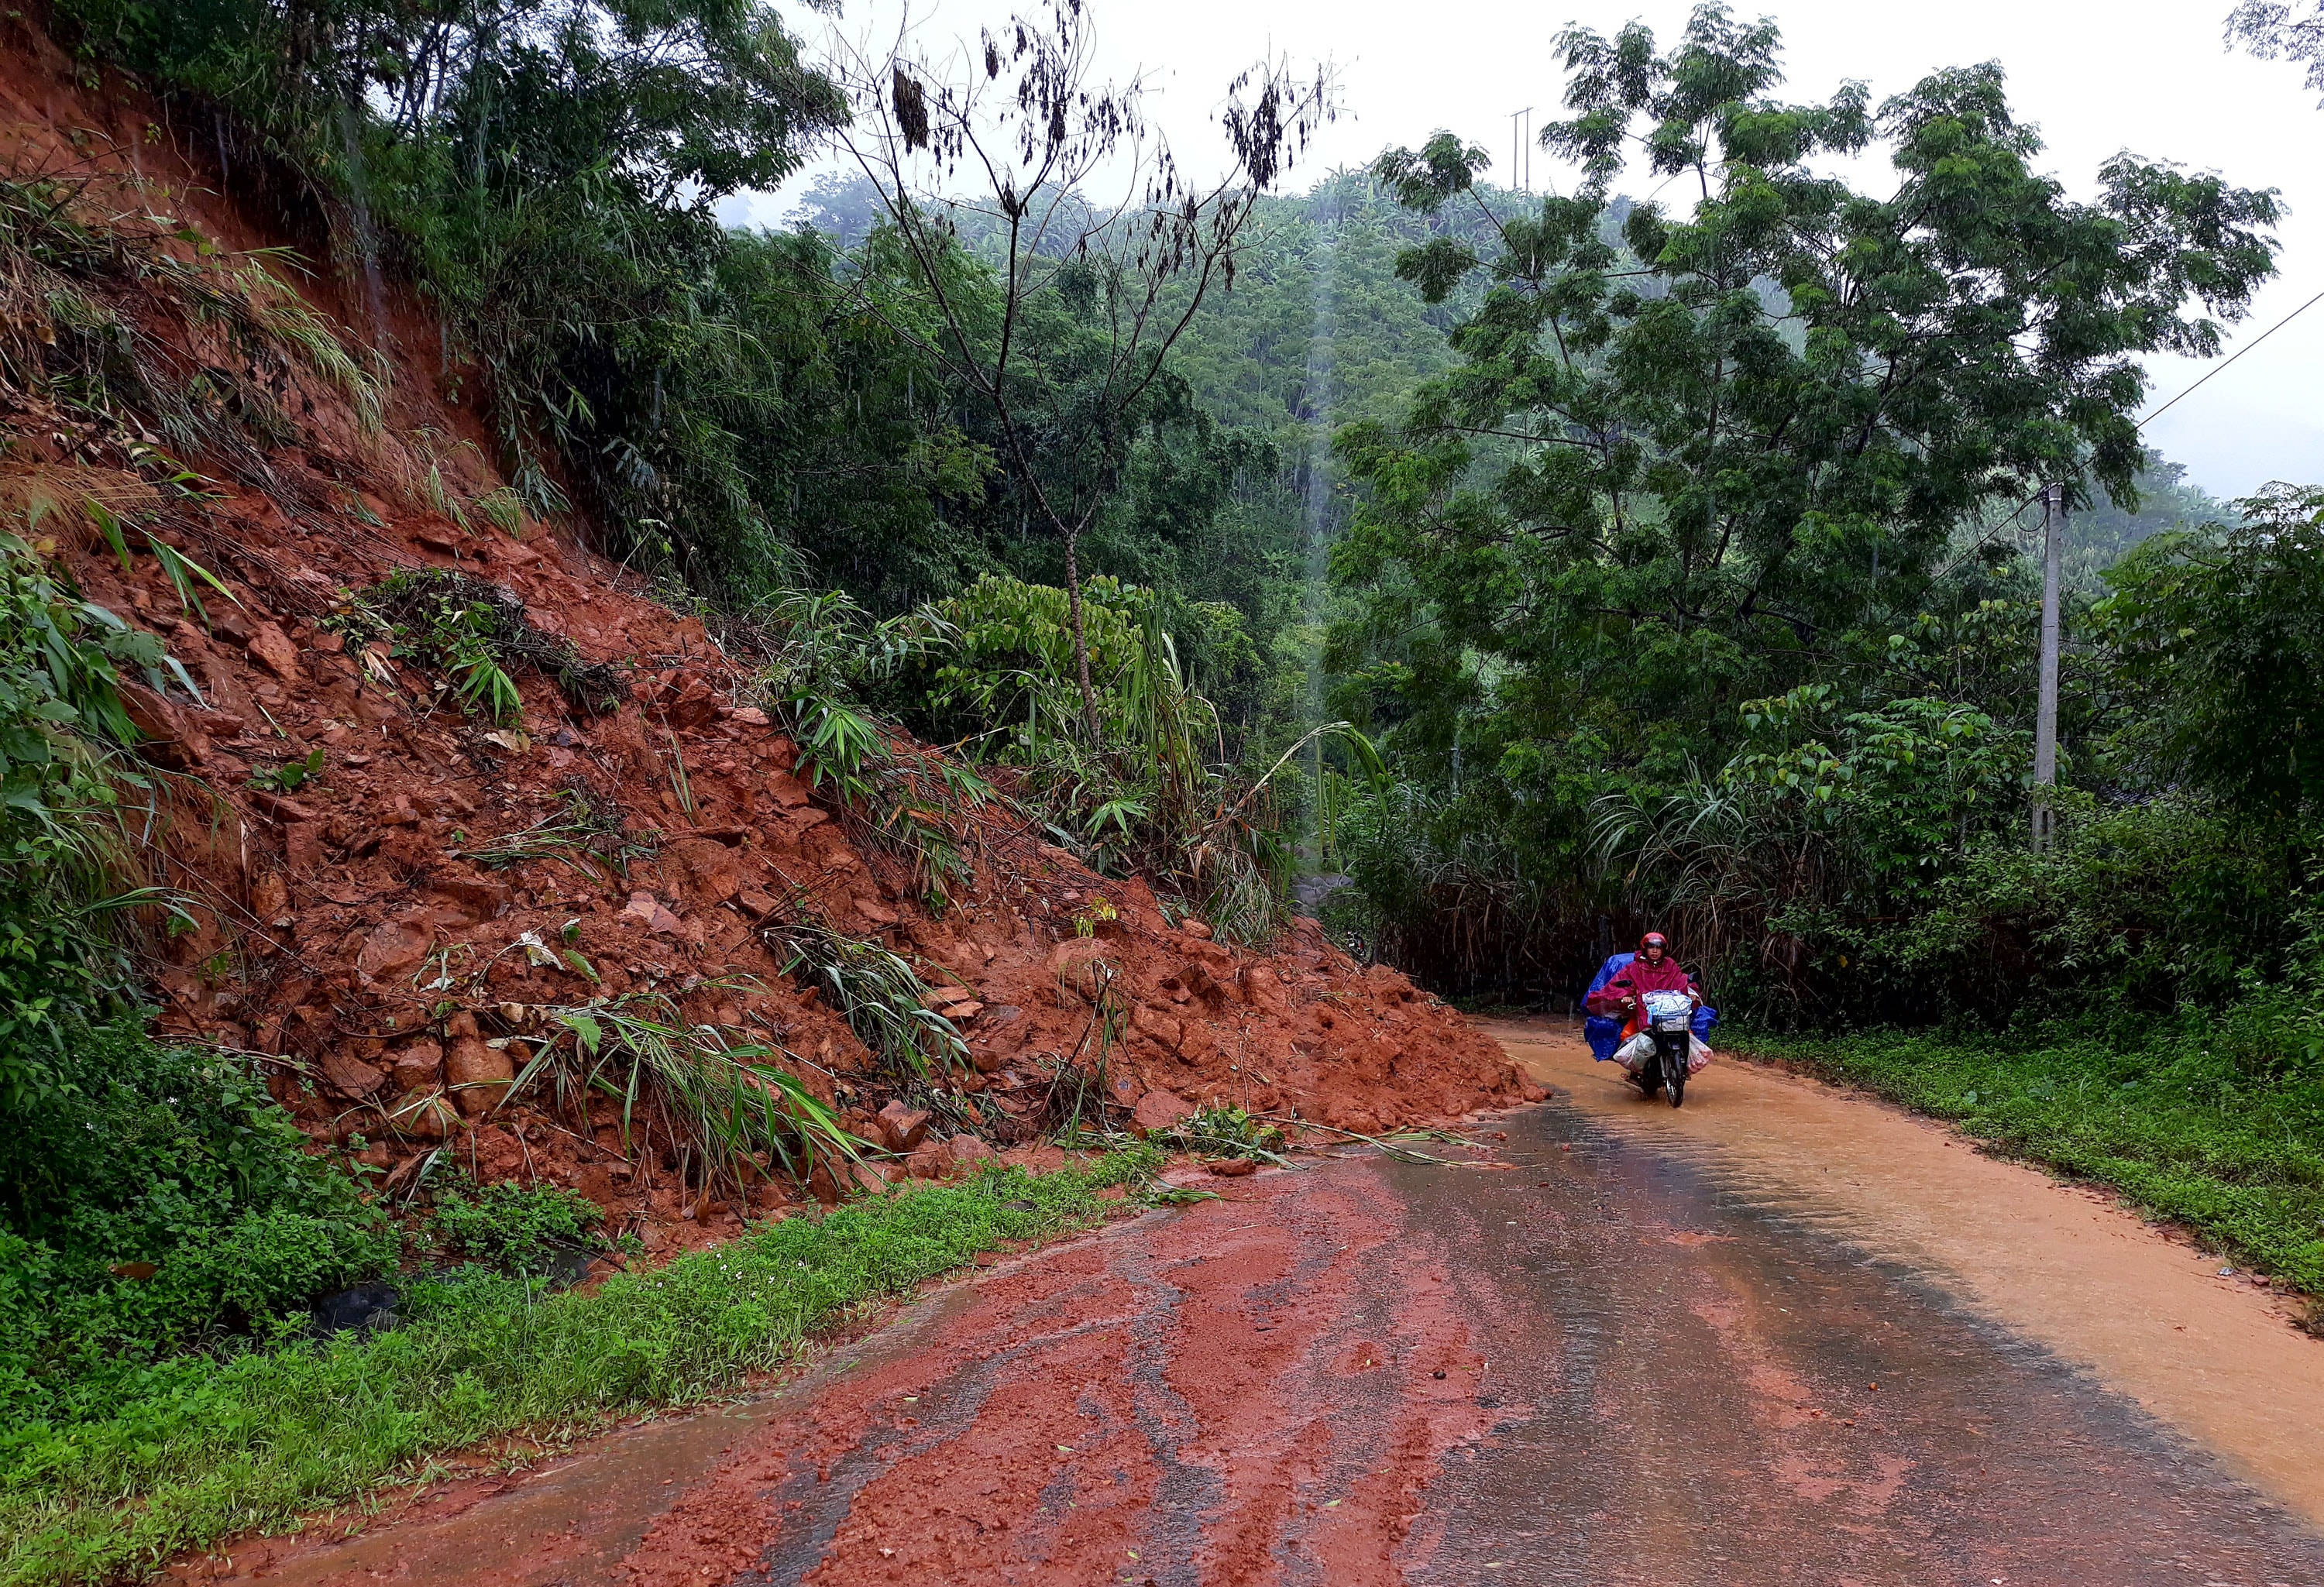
pixel 1242 1390
pixel 1210 1396
pixel 330 919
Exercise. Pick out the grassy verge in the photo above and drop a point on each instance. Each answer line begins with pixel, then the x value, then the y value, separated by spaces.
pixel 261 1437
pixel 2174 1125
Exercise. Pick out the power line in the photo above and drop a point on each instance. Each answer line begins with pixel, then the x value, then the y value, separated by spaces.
pixel 2238 353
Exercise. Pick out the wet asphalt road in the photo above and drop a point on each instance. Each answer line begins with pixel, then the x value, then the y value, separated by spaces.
pixel 1686 1384
pixel 1611 1359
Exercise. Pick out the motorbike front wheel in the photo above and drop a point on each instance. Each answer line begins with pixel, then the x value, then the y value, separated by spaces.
pixel 1666 1069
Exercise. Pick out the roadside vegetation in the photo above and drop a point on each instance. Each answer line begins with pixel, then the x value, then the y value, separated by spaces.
pixel 134 1466
pixel 2172 1118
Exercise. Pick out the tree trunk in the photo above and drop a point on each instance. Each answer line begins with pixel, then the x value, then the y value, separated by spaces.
pixel 2045 710
pixel 1081 639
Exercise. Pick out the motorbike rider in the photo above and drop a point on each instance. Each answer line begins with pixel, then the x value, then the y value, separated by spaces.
pixel 1652 970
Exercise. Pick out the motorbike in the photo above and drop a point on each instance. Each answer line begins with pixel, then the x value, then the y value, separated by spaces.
pixel 1668 1019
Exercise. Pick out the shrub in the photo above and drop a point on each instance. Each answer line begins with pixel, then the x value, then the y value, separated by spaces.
pixel 513 1226
pixel 64 873
pixel 157 1197
pixel 2138 910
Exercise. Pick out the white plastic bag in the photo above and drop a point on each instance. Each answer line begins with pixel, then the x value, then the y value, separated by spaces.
pixel 1633 1054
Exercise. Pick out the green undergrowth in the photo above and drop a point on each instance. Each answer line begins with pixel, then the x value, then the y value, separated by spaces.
pixel 2172 1120
pixel 155 1200
pixel 213 1445
pixel 473 633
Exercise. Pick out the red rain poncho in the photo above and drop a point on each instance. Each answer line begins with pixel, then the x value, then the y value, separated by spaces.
pixel 1634 980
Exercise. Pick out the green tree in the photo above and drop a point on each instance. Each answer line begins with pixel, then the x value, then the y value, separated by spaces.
pixel 1689 459
pixel 1065 342
pixel 2216 648
pixel 2270 29
pixel 545 173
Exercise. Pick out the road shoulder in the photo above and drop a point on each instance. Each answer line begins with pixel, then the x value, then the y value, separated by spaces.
pixel 2066 1266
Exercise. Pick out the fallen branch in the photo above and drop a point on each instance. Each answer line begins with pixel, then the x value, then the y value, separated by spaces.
pixel 1387 1143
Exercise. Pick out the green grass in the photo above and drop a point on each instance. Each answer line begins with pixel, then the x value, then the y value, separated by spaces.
pixel 257 1439
pixel 2171 1121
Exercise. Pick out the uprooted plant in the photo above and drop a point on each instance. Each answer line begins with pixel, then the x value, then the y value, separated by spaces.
pixel 585 833
pixel 1226 1132
pixel 1077 1087
pixel 881 995
pixel 992 670
pixel 519 1227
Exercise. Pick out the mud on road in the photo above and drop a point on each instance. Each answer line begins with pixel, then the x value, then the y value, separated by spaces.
pixel 1625 1346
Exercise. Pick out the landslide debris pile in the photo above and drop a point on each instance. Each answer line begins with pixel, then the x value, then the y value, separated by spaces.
pixel 507 862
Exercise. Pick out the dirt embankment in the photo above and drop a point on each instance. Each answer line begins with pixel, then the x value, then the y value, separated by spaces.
pixel 348 925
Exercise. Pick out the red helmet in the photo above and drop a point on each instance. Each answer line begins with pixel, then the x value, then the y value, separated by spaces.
pixel 1653 939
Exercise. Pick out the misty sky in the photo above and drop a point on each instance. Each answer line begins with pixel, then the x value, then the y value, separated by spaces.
pixel 2094 78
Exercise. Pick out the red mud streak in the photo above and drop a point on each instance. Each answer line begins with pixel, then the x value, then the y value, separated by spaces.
pixel 1217 1397
pixel 1662 1368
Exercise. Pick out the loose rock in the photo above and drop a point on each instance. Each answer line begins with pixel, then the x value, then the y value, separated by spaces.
pixel 1160 1109
pixel 901 1126
pixel 273 648
pixel 477 1075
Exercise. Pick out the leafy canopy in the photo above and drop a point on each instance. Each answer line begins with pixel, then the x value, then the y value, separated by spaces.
pixel 1718 420
pixel 2216 647
pixel 1708 450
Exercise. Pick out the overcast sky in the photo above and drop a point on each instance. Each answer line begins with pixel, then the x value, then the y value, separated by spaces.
pixel 2140 75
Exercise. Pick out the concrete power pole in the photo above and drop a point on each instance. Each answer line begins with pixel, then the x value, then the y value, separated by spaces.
pixel 2045 711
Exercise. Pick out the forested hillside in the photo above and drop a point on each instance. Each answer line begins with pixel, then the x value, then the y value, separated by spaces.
pixel 1322 335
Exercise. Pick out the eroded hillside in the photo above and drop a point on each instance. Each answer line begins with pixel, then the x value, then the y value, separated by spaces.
pixel 462 918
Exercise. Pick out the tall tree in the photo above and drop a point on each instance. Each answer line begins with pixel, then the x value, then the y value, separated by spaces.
pixel 1033 134
pixel 1697 455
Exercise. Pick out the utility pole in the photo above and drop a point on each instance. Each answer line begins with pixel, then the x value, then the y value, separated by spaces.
pixel 1520 150
pixel 2045 710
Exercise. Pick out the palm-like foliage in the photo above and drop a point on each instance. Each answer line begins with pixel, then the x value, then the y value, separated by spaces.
pixel 1824 815
pixel 1154 793
pixel 736 1107
pixel 882 997
pixel 71 862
